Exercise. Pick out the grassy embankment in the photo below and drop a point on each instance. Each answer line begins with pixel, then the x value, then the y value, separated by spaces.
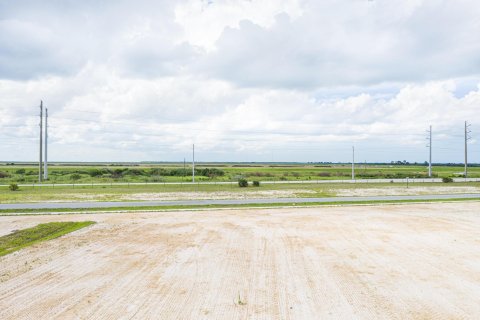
pixel 119 192
pixel 23 238
pixel 154 192
pixel 219 172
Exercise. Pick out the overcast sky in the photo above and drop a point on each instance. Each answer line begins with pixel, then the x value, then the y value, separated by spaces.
pixel 245 80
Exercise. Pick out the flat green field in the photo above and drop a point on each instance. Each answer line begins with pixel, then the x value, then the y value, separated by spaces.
pixel 61 173
pixel 160 192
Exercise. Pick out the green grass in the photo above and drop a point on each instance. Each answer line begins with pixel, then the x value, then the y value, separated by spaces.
pixel 17 212
pixel 229 172
pixel 116 192
pixel 23 238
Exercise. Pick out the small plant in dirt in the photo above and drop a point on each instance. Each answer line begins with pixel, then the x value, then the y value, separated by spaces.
pixel 447 179
pixel 13 187
pixel 242 183
pixel 256 183
pixel 239 301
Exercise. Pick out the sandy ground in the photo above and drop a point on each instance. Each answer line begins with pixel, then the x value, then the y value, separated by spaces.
pixel 398 191
pixel 171 196
pixel 415 261
pixel 260 194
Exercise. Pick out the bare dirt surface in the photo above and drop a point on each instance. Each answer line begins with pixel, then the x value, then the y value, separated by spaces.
pixel 173 196
pixel 400 191
pixel 415 261
pixel 261 194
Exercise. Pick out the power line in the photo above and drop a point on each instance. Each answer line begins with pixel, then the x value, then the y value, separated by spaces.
pixel 41 141
pixel 45 173
pixel 467 137
pixel 430 152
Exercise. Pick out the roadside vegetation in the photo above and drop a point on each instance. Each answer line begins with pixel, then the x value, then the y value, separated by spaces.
pixel 113 192
pixel 26 174
pixel 26 212
pixel 19 239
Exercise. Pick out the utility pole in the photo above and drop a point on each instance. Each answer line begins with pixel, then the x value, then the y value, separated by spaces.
pixel 430 156
pixel 353 163
pixel 41 138
pixel 467 137
pixel 45 171
pixel 193 164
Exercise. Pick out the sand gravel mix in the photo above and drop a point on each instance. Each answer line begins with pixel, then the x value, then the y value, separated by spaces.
pixel 415 261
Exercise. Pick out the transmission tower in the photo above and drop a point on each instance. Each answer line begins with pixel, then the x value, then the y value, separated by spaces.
pixel 41 141
pixel 467 137
pixel 429 146
pixel 353 163
pixel 45 167
pixel 193 163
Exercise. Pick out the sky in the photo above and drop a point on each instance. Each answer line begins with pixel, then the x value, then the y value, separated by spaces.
pixel 243 80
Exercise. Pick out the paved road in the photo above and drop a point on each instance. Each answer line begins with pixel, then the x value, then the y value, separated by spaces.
pixel 361 181
pixel 81 205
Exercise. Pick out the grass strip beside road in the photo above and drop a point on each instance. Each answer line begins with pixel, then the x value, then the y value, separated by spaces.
pixel 46 231
pixel 8 212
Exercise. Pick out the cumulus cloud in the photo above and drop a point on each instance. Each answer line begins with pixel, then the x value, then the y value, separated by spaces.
pixel 251 80
pixel 352 43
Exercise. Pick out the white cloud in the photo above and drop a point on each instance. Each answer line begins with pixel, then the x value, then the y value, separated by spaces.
pixel 352 43
pixel 203 21
pixel 301 79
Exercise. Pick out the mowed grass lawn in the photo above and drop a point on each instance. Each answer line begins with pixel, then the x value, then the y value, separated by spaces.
pixel 23 238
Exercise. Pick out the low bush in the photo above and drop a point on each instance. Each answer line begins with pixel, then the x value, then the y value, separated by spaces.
pixel 243 183
pixel 13 187
pixel 447 179
pixel 256 183
pixel 95 173
pixel 324 174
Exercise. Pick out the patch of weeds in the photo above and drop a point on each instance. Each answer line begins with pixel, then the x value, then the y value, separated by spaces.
pixel 239 301
pixel 23 238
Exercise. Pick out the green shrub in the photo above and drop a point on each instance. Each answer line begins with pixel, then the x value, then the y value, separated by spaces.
pixel 95 172
pixel 256 183
pixel 242 183
pixel 13 187
pixel 447 179
pixel 4 175
pixel 75 177
pixel 20 171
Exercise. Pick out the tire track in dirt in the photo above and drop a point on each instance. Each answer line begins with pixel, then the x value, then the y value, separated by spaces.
pixel 377 262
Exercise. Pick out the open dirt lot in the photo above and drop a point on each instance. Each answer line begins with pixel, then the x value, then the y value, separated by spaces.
pixel 399 191
pixel 416 261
